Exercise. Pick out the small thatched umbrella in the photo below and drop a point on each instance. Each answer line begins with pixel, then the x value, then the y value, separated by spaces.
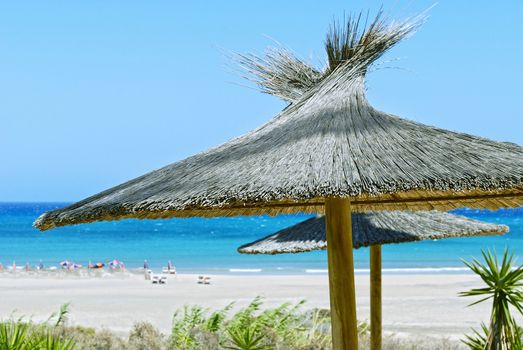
pixel 374 229
pixel 328 152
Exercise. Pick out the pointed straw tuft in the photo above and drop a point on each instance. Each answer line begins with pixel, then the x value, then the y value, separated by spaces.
pixel 349 43
pixel 355 44
pixel 279 73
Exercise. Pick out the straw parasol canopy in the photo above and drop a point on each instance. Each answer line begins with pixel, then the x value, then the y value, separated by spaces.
pixel 374 228
pixel 329 142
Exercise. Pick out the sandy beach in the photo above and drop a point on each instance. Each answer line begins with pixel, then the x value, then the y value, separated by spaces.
pixel 413 305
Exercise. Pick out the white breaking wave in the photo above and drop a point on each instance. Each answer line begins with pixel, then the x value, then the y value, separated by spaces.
pixel 316 270
pixel 402 269
pixel 419 269
pixel 245 270
pixel 428 269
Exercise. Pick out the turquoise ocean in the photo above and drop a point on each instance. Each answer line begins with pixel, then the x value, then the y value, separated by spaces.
pixel 198 245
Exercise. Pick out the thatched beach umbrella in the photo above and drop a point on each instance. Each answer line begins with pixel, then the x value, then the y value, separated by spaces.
pixel 374 229
pixel 328 152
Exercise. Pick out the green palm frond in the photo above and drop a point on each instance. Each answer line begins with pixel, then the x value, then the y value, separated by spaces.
pixel 477 341
pixel 504 282
pixel 246 338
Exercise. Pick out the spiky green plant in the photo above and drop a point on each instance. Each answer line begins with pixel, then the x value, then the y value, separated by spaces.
pixel 21 335
pixel 49 341
pixel 249 337
pixel 245 329
pixel 14 335
pixel 477 340
pixel 503 285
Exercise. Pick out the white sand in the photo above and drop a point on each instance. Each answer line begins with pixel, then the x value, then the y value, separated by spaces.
pixel 420 305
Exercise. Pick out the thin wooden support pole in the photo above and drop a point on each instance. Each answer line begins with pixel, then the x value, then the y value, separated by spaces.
pixel 341 274
pixel 375 297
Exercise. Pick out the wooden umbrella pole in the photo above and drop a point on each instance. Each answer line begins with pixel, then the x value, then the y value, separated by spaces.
pixel 341 274
pixel 375 297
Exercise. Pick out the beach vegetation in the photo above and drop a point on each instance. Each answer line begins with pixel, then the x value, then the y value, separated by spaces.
pixel 92 339
pixel 144 336
pixel 61 316
pixel 253 327
pixel 504 283
pixel 185 326
pixel 25 335
pixel 246 338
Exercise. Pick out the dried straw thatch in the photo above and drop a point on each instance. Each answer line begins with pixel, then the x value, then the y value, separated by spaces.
pixel 373 228
pixel 329 142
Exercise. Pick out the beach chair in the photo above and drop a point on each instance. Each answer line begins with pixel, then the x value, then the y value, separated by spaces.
pixel 158 279
pixel 204 280
pixel 169 270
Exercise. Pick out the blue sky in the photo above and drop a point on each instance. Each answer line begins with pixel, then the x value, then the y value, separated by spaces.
pixel 94 93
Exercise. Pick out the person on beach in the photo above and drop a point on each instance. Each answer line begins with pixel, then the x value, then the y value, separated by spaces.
pixel 170 268
pixel 14 265
pixel 145 265
pixel 27 267
pixel 1 267
pixel 122 266
pixel 41 265
pixel 113 264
